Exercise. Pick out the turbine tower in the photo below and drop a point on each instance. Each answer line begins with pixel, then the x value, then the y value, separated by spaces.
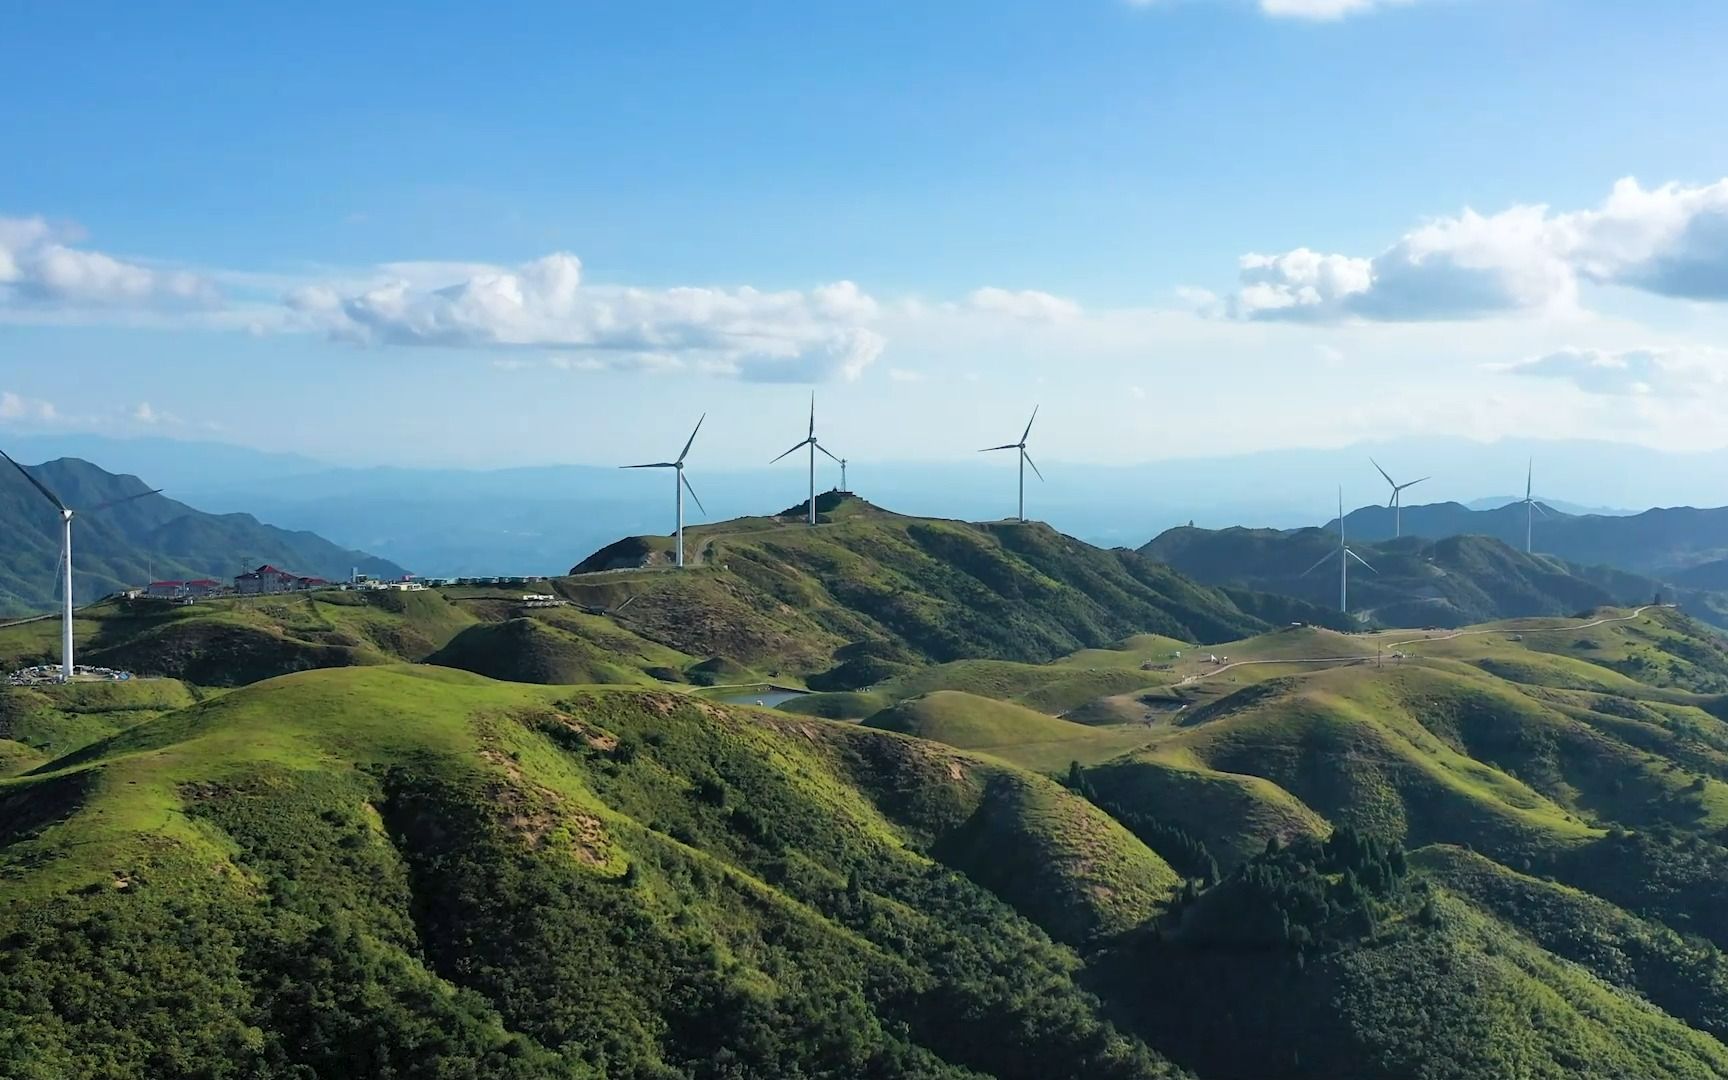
pixel 66 516
pixel 1531 508
pixel 1344 555
pixel 680 483
pixel 1396 502
pixel 810 441
pixel 1025 460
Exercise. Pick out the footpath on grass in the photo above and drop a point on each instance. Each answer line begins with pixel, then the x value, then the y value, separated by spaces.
pixel 1455 634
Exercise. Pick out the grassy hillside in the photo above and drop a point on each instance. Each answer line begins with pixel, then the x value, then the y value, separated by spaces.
pixel 1086 849
pixel 866 592
pixel 359 870
pixel 130 544
pixel 1454 581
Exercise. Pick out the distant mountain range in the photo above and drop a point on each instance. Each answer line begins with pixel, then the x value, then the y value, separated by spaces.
pixel 1454 581
pixel 1668 543
pixel 132 543
pixel 540 519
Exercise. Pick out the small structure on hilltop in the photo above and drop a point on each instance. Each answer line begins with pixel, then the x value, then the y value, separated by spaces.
pixel 270 579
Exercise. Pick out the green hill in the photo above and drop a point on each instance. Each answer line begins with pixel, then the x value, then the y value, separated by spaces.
pixel 133 543
pixel 385 871
pixel 1455 581
pixel 896 590
pixel 1050 840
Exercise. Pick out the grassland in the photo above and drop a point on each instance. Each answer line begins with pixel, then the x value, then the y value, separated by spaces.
pixel 464 838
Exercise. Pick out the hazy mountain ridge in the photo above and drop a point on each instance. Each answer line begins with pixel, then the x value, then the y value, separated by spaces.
pixel 1453 581
pixel 155 537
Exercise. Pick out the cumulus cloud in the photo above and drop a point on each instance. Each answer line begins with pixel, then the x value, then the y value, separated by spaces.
pixel 1671 241
pixel 1653 372
pixel 1022 304
pixel 40 268
pixel 18 407
pixel 788 336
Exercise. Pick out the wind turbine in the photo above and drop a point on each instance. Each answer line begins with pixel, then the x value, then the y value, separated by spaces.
pixel 66 516
pixel 1344 555
pixel 1025 459
pixel 680 484
pixel 814 446
pixel 1531 508
pixel 843 486
pixel 1396 502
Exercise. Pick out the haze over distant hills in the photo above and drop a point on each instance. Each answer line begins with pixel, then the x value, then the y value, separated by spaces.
pixel 1662 542
pixel 531 519
pixel 132 543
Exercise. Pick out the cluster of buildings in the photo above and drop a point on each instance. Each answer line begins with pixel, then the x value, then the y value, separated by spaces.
pixel 268 580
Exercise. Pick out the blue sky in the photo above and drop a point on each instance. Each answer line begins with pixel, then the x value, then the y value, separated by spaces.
pixel 441 234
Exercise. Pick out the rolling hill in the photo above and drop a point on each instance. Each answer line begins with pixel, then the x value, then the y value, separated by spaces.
pixel 1660 543
pixel 1454 581
pixel 1043 839
pixel 130 544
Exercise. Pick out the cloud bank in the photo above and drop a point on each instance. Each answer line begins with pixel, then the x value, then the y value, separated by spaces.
pixel 791 336
pixel 1652 372
pixel 1669 241
pixel 40 268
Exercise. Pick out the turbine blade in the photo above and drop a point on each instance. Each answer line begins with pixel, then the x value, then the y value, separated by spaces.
pixel 1413 483
pixel 800 446
pixel 35 483
pixel 123 499
pixel 1359 559
pixel 812 414
pixel 1028 430
pixel 692 492
pixel 1538 508
pixel 1032 463
pixel 1392 498
pixel 824 449
pixel 1324 559
pixel 1004 446
pixel 1383 472
pixel 682 454
pixel 1529 475
pixel 652 465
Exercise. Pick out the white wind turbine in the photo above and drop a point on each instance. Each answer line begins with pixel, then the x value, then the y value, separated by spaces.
pixel 1396 502
pixel 66 516
pixel 1025 460
pixel 680 484
pixel 814 446
pixel 1531 508
pixel 1344 555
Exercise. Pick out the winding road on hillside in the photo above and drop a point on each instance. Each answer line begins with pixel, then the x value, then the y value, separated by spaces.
pixel 1221 668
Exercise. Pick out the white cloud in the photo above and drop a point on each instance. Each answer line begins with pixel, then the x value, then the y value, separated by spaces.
pixel 145 413
pixel 40 269
pixel 18 407
pixel 1137 393
pixel 786 336
pixel 904 375
pixel 1023 304
pixel 1649 372
pixel 1671 241
pixel 1323 10
pixel 1312 10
